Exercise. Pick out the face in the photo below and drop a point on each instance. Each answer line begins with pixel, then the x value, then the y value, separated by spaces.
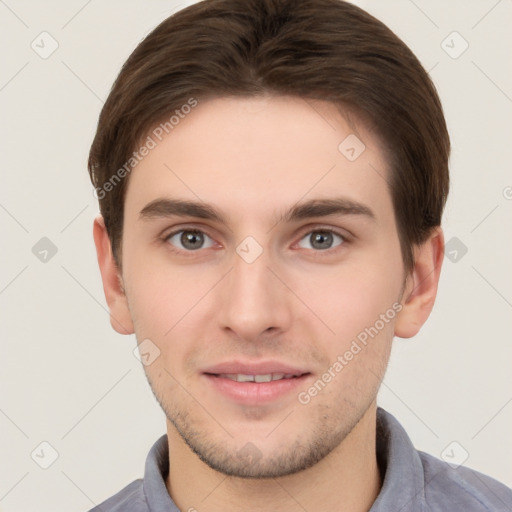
pixel 254 248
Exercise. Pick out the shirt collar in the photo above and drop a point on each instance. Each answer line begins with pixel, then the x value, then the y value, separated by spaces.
pixel 403 477
pixel 402 469
pixel 156 471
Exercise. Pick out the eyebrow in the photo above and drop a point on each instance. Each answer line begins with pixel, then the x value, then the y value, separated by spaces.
pixel 166 207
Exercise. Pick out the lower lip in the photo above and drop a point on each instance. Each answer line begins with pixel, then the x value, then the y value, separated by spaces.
pixel 254 393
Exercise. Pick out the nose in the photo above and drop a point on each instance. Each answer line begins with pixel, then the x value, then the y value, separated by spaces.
pixel 254 302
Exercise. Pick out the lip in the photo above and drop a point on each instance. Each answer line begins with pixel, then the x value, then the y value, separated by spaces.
pixel 255 393
pixel 259 368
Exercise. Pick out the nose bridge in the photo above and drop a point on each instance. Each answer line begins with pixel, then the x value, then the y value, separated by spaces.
pixel 253 299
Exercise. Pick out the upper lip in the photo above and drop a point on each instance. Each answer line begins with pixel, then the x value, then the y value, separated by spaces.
pixel 256 368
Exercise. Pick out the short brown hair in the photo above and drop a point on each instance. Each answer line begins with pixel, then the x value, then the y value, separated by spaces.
pixel 328 50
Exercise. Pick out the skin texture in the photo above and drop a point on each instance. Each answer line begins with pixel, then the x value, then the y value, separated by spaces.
pixel 253 160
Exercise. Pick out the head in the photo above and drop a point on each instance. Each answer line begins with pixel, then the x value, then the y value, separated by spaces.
pixel 271 178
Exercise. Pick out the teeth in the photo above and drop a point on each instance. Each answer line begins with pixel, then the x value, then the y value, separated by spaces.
pixel 263 378
pixel 244 378
pixel 268 377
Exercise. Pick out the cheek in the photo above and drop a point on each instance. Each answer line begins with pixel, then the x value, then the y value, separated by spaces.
pixel 164 310
pixel 359 307
pixel 159 291
pixel 162 300
pixel 172 306
pixel 351 298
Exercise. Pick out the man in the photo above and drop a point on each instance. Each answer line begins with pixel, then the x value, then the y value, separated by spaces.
pixel 271 177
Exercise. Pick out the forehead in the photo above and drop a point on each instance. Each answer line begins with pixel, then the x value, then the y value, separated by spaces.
pixel 252 157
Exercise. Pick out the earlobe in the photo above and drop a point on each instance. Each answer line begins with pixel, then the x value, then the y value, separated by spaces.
pixel 421 286
pixel 120 317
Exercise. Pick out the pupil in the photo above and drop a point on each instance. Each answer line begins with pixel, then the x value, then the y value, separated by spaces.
pixel 192 240
pixel 321 240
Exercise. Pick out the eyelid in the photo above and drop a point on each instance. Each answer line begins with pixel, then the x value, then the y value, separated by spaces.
pixel 343 233
pixel 168 232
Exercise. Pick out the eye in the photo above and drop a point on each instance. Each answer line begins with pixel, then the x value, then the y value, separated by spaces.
pixel 190 240
pixel 321 240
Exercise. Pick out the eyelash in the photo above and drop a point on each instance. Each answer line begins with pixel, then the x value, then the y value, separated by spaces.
pixel 346 239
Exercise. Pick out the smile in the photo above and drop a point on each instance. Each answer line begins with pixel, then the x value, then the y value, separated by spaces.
pixel 268 377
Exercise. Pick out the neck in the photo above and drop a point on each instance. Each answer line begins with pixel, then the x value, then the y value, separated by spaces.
pixel 347 480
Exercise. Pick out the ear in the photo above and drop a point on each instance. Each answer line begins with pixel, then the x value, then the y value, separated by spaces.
pixel 120 317
pixel 421 286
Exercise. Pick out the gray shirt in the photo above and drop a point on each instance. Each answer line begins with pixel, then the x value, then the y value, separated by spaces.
pixel 412 481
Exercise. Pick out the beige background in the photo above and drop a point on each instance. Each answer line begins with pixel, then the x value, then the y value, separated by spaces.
pixel 66 378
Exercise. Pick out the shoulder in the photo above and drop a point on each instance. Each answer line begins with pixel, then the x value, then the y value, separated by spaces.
pixel 129 499
pixel 420 482
pixel 462 488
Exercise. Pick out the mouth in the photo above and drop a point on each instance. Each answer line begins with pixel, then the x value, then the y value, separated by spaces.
pixel 266 377
pixel 255 384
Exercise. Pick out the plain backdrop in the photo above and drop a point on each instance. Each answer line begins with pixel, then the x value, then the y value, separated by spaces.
pixel 69 381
